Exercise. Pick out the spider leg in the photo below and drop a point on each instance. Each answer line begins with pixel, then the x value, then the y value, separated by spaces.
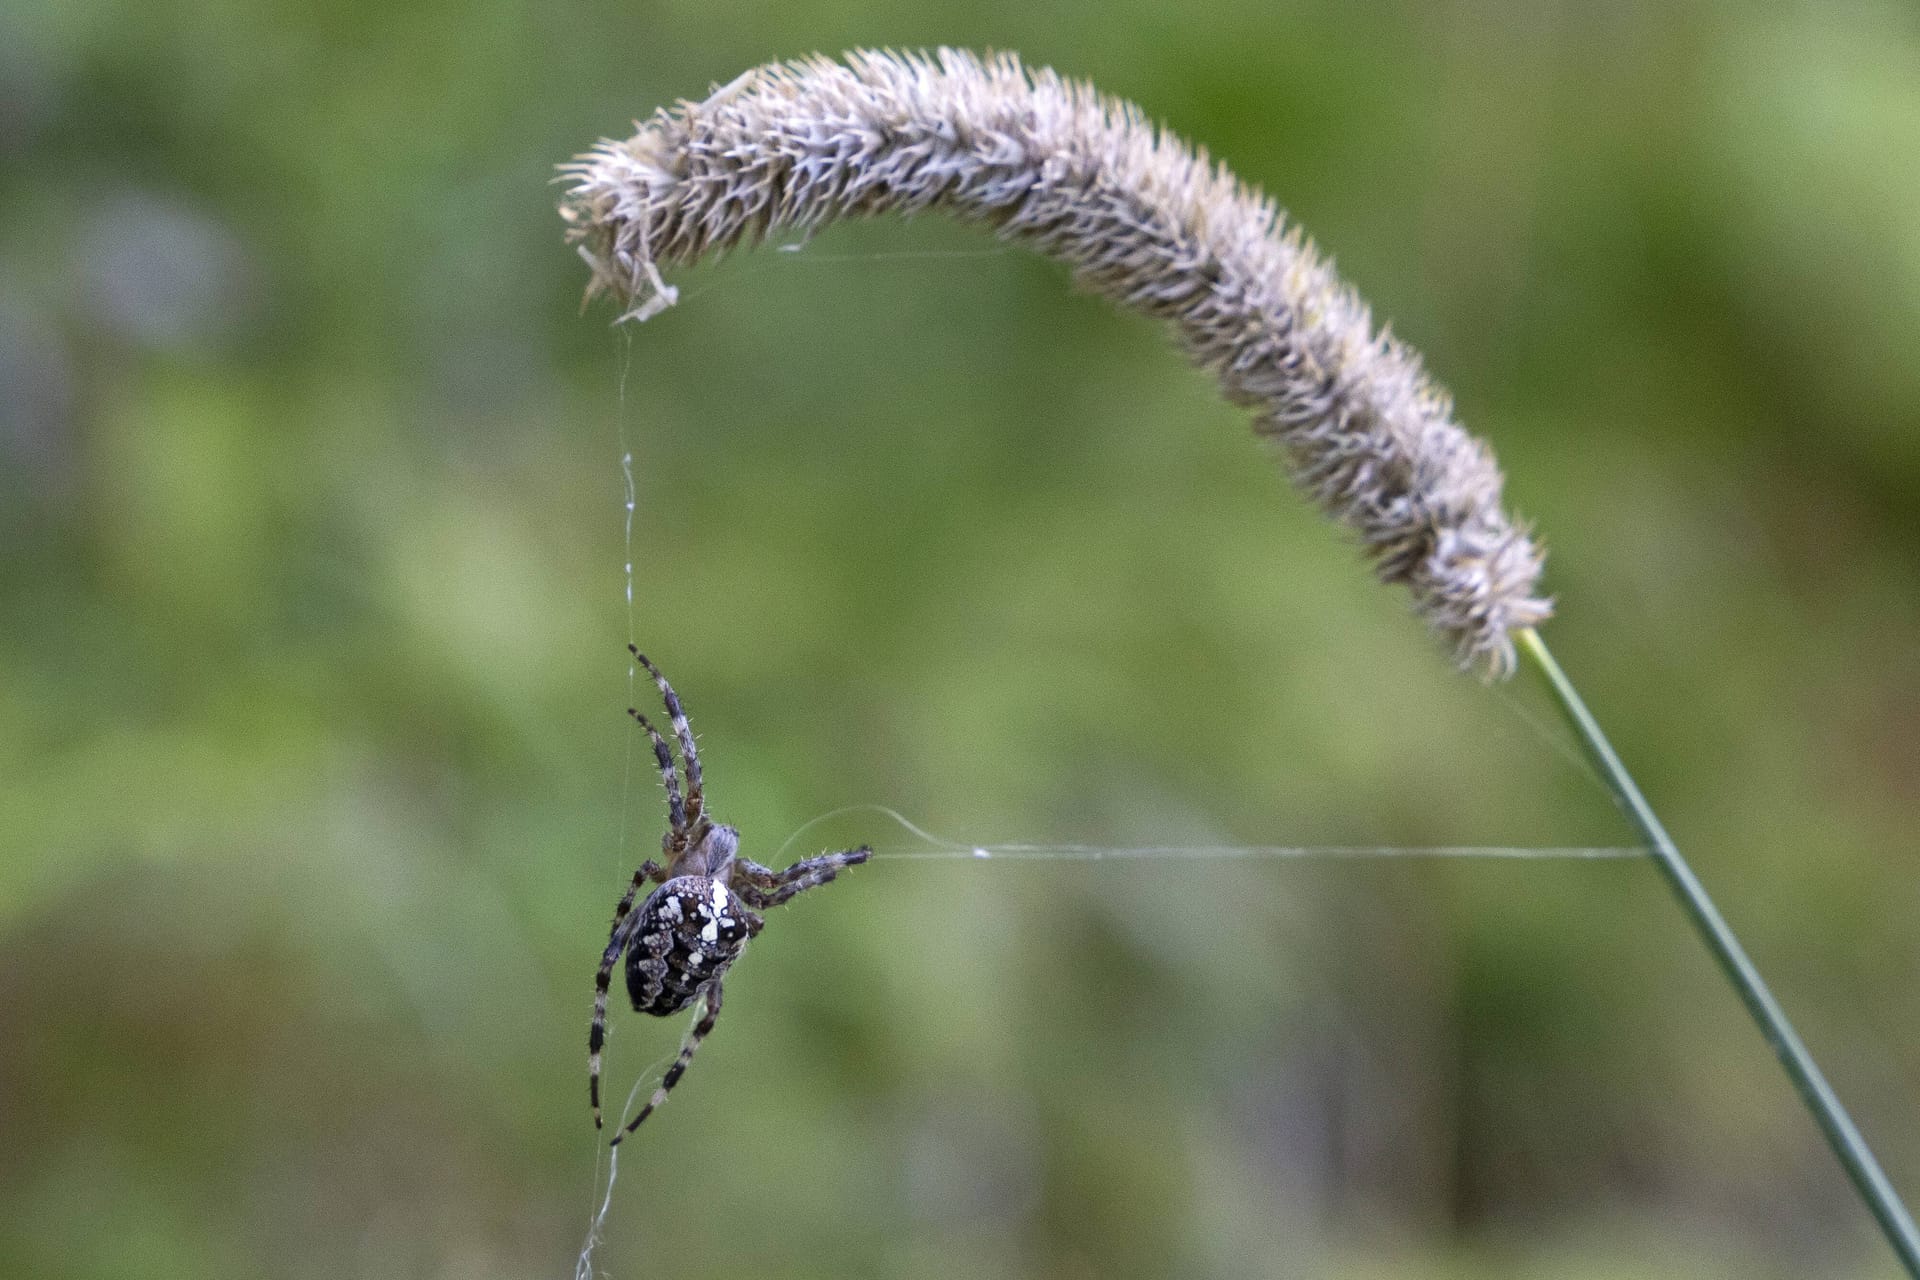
pixel 617 943
pixel 676 812
pixel 765 887
pixel 689 754
pixel 710 1012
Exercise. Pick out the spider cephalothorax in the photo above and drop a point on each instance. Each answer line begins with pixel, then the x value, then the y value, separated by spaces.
pixel 679 943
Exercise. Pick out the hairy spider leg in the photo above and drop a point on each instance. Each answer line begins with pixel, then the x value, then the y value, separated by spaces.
pixel 617 943
pixel 764 887
pixel 689 754
pixel 710 1013
pixel 676 812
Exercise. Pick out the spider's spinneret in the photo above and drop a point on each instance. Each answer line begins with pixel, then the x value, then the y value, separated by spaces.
pixel 690 930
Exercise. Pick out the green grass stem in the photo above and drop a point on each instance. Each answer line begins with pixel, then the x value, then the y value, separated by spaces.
pixel 1867 1176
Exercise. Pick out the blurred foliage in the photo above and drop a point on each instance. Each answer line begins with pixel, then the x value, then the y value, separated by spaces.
pixel 316 791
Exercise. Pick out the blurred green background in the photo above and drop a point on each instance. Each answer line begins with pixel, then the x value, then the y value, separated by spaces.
pixel 312 748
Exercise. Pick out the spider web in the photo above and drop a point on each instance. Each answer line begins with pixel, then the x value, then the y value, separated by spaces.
pixel 596 1221
pixel 583 1268
pixel 933 847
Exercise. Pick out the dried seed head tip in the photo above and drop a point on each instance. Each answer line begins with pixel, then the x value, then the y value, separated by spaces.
pixel 1141 218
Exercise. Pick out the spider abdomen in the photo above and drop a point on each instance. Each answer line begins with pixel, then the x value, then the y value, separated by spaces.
pixel 690 930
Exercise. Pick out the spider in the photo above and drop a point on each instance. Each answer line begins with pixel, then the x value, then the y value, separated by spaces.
pixel 681 941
